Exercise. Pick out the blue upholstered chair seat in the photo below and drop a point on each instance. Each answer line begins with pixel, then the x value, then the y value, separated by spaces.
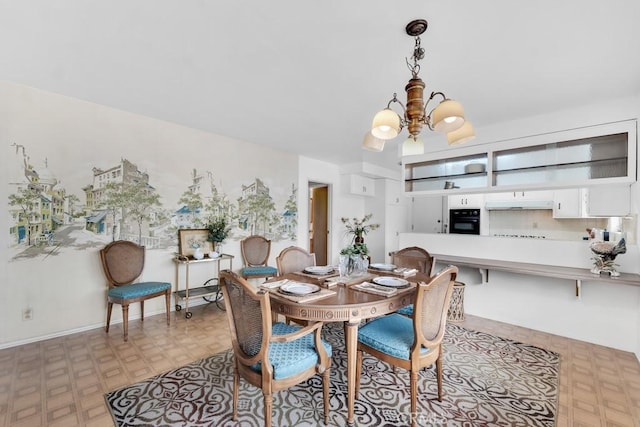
pixel 407 310
pixel 290 358
pixel 259 271
pixel 136 290
pixel 392 334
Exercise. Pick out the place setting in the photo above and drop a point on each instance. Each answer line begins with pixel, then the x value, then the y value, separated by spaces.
pixel 319 271
pixel 301 292
pixel 383 285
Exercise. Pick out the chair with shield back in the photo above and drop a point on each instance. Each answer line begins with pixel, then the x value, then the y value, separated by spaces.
pixel 294 258
pixel 413 257
pixel 271 356
pixel 414 342
pixel 122 263
pixel 255 251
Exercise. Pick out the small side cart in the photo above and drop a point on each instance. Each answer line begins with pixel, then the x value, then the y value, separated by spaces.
pixel 210 289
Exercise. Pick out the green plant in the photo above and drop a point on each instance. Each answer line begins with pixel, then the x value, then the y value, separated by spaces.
pixel 219 229
pixel 359 227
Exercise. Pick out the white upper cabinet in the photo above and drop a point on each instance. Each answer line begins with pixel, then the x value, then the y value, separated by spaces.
pixel 569 203
pixel 359 185
pixel 585 157
pixel 609 201
pixel 475 201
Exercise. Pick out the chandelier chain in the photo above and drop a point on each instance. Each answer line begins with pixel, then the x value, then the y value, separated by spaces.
pixel 418 55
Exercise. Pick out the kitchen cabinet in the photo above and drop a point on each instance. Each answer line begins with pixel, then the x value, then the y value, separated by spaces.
pixel 609 201
pixel 584 157
pixel 569 203
pixel 519 195
pixel 466 201
pixel 359 185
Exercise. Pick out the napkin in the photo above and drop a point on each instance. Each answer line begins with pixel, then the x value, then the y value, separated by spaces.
pixel 274 285
pixel 372 288
pixel 405 272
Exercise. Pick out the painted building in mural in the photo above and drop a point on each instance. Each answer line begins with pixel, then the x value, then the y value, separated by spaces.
pixel 113 197
pixel 36 207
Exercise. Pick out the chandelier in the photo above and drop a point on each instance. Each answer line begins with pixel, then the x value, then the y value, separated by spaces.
pixel 447 117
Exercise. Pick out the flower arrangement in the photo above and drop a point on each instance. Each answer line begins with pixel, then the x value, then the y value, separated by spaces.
pixel 359 227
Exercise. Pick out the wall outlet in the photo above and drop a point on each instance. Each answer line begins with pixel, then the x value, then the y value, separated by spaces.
pixel 27 313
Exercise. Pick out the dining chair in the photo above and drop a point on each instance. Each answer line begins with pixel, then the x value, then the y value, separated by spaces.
pixel 413 257
pixel 294 258
pixel 122 263
pixel 255 251
pixel 272 356
pixel 411 343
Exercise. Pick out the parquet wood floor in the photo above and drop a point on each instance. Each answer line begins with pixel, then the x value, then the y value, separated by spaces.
pixel 61 381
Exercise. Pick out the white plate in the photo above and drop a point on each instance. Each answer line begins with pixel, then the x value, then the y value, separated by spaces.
pixel 379 266
pixel 319 269
pixel 392 282
pixel 297 288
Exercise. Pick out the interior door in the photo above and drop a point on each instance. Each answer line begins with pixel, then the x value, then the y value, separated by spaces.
pixel 319 221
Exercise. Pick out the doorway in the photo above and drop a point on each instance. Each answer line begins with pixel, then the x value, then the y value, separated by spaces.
pixel 319 221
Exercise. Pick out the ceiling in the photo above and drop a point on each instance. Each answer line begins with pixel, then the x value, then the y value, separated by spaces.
pixel 307 76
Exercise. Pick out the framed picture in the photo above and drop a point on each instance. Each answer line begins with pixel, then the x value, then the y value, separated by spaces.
pixel 191 238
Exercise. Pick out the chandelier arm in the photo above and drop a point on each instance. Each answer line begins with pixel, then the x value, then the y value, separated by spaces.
pixel 403 120
pixel 427 117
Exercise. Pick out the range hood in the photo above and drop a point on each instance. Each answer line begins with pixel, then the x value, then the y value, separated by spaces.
pixel 503 205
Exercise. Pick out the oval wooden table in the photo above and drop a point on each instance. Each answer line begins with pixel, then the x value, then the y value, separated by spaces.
pixel 349 306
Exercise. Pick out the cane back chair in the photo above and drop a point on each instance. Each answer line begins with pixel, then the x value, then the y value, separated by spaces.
pixel 412 343
pixel 294 258
pixel 255 251
pixel 122 263
pixel 272 356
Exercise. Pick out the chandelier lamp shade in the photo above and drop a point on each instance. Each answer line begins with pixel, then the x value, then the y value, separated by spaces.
pixel 446 117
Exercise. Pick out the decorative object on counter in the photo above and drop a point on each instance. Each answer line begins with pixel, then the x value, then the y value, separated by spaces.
pixel 192 240
pixel 359 227
pixel 197 252
pixel 604 255
pixel 446 117
pixel 219 230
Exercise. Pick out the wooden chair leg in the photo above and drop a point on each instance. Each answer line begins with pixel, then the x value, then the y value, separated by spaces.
pixel 142 310
pixel 109 308
pixel 268 408
pixel 439 376
pixel 326 378
pixel 236 391
pixel 125 321
pixel 168 307
pixel 414 395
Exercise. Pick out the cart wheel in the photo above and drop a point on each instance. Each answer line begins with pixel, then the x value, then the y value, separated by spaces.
pixel 178 307
pixel 188 315
pixel 220 301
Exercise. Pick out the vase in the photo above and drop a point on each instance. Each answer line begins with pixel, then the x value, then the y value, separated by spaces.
pixel 358 239
pixel 198 254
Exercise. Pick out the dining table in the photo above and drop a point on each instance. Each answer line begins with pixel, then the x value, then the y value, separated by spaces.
pixel 345 304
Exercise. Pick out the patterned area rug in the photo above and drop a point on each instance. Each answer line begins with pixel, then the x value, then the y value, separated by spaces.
pixel 487 381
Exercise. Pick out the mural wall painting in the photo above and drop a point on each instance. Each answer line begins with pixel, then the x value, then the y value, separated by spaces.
pixel 121 202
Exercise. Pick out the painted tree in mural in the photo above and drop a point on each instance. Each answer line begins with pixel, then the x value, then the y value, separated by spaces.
pixel 73 201
pixel 141 200
pixel 114 202
pixel 260 210
pixel 219 205
pixel 193 202
pixel 26 200
pixel 289 221
pixel 134 200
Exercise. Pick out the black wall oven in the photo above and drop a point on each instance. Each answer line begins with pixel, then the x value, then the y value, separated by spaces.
pixel 464 221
